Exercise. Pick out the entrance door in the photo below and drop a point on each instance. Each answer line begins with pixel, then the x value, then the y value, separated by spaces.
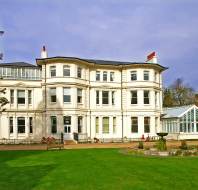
pixel 67 128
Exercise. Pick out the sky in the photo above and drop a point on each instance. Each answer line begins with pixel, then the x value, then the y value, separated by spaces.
pixel 121 30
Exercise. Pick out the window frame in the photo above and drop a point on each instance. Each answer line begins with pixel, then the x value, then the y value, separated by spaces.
pixel 29 97
pixel 146 75
pixel 11 96
pixel 105 129
pixel 53 97
pixel 147 124
pixel 104 76
pixel 97 97
pixel 134 99
pixel 105 99
pixel 66 71
pixel 53 120
pixel 65 96
pixel 133 74
pixel 97 75
pixel 21 127
pixel 79 95
pixel 52 71
pixel 22 98
pixel 134 124
pixel 11 125
pixel 147 98
pixel 79 72
pixel 112 76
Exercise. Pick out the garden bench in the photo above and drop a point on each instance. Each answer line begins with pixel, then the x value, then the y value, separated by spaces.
pixel 55 146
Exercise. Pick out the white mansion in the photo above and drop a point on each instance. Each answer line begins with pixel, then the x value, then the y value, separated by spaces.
pixel 102 99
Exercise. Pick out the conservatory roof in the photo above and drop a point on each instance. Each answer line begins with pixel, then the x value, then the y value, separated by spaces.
pixel 176 111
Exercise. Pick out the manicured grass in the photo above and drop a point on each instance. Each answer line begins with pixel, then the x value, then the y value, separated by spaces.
pixel 94 169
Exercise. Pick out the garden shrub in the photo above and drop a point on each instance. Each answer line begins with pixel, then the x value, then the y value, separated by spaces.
pixel 141 145
pixel 184 145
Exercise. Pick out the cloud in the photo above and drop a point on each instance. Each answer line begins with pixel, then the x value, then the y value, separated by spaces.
pixel 105 29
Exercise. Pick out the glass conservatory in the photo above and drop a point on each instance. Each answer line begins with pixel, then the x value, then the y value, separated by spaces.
pixel 180 120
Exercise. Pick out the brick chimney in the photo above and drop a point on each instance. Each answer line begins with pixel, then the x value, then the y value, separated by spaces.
pixel 43 53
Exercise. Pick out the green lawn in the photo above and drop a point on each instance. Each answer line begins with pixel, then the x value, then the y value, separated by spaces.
pixel 94 169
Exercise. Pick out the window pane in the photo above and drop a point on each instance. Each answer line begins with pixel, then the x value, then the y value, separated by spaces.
pixel 30 124
pixel 146 75
pixel 97 75
pixel 134 124
pixel 79 72
pixel 12 96
pixel 67 120
pixel 53 94
pixel 105 76
pixel 133 75
pixel 147 124
pixel 146 97
pixel 97 125
pixel 111 76
pixel 53 124
pixel 29 97
pixel 105 125
pixel 133 97
pixel 114 124
pixel 53 71
pixel 97 97
pixel 105 97
pixel 21 124
pixel 11 124
pixel 66 95
pixel 79 95
pixel 66 70
pixel 21 96
pixel 113 98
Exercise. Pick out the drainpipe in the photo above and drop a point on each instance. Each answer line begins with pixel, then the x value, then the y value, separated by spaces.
pixel 89 106
pixel 45 108
pixel 122 116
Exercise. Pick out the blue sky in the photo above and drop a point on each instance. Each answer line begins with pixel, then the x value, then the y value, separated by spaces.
pixel 125 30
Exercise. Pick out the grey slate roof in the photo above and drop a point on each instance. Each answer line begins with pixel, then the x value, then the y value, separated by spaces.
pixel 107 62
pixel 175 111
pixel 17 64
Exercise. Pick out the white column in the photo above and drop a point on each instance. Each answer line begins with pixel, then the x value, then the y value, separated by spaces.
pixel 100 127
pixel 27 128
pixel 15 131
pixel 74 126
pixel 84 123
pixel 26 99
pixel 15 98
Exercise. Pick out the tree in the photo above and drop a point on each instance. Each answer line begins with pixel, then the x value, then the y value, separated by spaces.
pixel 178 94
pixel 168 100
pixel 3 100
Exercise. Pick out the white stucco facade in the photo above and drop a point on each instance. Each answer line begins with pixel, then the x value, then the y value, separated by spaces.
pixel 68 96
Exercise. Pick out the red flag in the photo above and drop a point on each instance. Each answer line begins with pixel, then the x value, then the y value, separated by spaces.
pixel 150 56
